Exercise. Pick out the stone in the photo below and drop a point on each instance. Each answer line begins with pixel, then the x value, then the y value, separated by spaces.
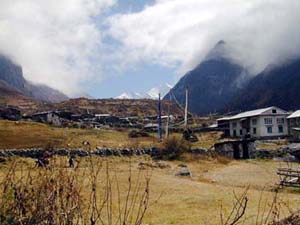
pixel 185 172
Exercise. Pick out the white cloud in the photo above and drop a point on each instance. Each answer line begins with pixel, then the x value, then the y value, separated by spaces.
pixel 56 42
pixel 258 32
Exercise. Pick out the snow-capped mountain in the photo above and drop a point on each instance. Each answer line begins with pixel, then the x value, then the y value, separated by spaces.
pixel 151 94
pixel 131 95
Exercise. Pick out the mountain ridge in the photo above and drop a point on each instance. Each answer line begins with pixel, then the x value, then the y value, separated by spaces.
pixel 150 94
pixel 11 76
pixel 219 85
pixel 211 84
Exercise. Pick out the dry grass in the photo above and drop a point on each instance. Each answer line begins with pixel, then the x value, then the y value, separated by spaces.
pixel 28 134
pixel 206 140
pixel 181 201
pixel 95 192
pixel 272 145
pixel 197 200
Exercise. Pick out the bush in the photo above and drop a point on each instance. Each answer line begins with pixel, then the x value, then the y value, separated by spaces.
pixel 173 148
pixel 56 195
pixel 137 134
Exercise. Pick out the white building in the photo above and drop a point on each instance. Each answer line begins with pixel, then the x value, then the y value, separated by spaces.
pixel 260 123
pixel 294 125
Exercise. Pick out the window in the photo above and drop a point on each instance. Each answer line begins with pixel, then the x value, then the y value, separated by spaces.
pixel 268 121
pixel 254 122
pixel 234 133
pixel 280 129
pixel 234 124
pixel 241 132
pixel 280 120
pixel 270 130
pixel 274 111
pixel 254 130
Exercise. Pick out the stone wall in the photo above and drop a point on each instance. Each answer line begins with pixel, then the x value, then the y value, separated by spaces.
pixel 38 152
pixel 240 149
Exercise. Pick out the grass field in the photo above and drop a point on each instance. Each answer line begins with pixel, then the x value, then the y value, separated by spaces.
pixel 197 200
pixel 28 134
pixel 173 200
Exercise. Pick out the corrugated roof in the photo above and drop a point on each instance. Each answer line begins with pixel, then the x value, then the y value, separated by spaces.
pixel 294 115
pixel 252 113
pixel 224 118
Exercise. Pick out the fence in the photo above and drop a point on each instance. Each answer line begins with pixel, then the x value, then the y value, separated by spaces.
pixel 289 177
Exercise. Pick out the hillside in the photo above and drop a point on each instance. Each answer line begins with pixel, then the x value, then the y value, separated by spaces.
pixel 212 84
pixel 278 86
pixel 219 85
pixel 11 77
pixel 120 107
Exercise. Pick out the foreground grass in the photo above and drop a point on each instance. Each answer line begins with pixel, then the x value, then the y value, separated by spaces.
pixel 196 200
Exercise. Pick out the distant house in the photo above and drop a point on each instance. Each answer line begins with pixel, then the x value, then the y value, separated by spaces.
pixel 112 121
pixel 151 127
pixel 266 123
pixel 51 118
pixel 76 117
pixel 10 113
pixel 101 116
pixel 224 125
pixel 67 115
pixel 294 125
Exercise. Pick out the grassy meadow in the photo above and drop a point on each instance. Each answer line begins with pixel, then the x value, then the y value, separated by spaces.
pixel 199 199
pixel 210 192
pixel 29 134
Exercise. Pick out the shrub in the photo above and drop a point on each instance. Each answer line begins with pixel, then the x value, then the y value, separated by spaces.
pixel 137 134
pixel 56 196
pixel 173 148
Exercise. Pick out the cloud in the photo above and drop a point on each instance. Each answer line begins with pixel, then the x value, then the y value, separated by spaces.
pixel 171 32
pixel 56 42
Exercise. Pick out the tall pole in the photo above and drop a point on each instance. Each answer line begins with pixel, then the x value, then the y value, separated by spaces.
pixel 186 109
pixel 159 119
pixel 168 119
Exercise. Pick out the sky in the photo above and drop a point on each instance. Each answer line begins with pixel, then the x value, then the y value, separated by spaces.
pixel 103 48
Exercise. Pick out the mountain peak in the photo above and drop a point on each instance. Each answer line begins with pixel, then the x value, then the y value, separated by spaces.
pixel 211 84
pixel 151 94
pixel 219 51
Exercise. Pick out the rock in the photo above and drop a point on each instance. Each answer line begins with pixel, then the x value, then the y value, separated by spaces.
pixel 2 160
pixel 159 164
pixel 182 165
pixel 184 173
pixel 199 151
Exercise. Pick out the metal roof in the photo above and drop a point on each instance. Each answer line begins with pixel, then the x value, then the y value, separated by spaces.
pixel 294 115
pixel 252 113
pixel 224 118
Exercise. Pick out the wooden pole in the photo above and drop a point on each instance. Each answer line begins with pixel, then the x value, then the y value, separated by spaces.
pixel 159 119
pixel 186 109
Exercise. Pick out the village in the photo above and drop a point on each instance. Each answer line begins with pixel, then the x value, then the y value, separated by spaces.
pixel 149 112
pixel 266 123
pixel 261 142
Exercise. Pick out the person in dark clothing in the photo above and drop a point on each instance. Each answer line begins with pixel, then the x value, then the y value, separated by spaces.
pixel 72 161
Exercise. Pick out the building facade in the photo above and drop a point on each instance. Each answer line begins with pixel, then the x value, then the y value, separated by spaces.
pixel 294 125
pixel 47 117
pixel 261 123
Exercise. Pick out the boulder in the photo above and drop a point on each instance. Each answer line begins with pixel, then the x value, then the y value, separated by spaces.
pixel 185 172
